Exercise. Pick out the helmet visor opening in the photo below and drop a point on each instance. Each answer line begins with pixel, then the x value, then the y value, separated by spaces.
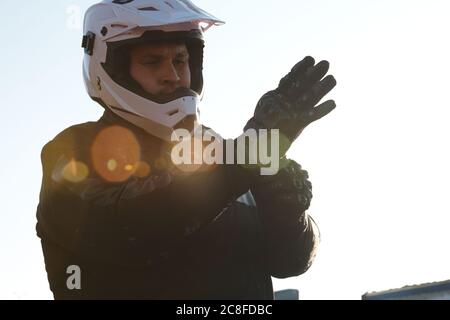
pixel 117 62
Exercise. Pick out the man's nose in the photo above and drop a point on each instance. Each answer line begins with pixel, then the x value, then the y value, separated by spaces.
pixel 170 74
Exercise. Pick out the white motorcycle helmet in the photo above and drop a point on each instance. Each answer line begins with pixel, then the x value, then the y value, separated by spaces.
pixel 110 27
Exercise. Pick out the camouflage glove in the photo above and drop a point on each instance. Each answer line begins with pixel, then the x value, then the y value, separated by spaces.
pixel 288 194
pixel 292 106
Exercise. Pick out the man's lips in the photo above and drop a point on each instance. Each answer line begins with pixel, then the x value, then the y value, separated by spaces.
pixel 167 91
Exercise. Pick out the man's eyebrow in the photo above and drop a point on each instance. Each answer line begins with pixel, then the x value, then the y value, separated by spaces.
pixel 182 54
pixel 152 56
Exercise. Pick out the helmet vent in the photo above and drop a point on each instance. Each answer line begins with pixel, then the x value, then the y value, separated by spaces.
pixel 169 4
pixel 115 25
pixel 171 113
pixel 148 9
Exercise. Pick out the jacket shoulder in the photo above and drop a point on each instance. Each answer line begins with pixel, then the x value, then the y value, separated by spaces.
pixel 72 142
pixel 73 135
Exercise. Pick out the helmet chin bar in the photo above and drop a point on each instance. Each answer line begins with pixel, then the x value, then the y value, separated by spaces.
pixel 152 127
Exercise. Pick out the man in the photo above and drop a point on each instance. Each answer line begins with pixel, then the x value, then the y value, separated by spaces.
pixel 118 220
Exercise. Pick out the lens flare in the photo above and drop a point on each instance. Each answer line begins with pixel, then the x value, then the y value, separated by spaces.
pixel 111 164
pixel 192 155
pixel 142 169
pixel 115 153
pixel 75 171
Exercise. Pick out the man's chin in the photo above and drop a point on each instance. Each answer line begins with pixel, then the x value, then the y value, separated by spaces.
pixel 163 94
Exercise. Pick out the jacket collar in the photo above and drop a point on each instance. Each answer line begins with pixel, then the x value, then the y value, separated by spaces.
pixel 148 142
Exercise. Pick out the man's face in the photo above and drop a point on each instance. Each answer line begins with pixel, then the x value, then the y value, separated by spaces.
pixel 160 68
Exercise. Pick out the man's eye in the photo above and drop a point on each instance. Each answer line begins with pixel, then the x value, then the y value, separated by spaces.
pixel 150 63
pixel 180 62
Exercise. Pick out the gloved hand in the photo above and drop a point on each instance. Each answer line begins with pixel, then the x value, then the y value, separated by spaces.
pixel 291 236
pixel 283 198
pixel 292 106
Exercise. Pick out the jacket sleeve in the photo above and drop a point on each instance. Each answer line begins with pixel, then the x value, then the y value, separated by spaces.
pixel 130 222
pixel 290 235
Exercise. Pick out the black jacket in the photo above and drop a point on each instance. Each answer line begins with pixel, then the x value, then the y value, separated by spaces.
pixel 157 235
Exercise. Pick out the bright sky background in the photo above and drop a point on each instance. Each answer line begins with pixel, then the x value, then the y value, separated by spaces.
pixel 379 163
